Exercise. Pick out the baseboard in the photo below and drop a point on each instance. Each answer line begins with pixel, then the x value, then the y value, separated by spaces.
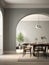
pixel 9 52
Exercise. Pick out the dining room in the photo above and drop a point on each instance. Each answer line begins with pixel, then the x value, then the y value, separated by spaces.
pixel 32 35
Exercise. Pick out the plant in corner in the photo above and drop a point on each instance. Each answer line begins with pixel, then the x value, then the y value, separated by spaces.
pixel 20 38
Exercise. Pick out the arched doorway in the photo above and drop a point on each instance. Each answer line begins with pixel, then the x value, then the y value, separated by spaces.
pixel 32 28
pixel 1 32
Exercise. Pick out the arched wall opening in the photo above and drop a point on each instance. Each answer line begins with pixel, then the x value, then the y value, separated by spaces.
pixel 1 32
pixel 27 27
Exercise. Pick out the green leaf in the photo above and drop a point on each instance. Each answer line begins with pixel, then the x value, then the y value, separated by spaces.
pixel 20 37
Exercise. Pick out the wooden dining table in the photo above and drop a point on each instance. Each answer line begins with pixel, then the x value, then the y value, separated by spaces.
pixel 40 47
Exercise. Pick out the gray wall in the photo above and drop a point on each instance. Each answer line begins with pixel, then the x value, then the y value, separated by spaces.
pixel 11 19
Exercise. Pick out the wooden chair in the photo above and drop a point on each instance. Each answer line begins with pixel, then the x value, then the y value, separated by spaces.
pixel 38 49
pixel 26 49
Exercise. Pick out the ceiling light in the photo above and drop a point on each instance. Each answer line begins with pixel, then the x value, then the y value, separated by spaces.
pixel 38 26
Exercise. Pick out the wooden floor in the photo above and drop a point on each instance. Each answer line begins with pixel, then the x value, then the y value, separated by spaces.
pixel 19 59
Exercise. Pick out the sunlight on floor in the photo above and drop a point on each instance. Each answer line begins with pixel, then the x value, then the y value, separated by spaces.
pixel 17 56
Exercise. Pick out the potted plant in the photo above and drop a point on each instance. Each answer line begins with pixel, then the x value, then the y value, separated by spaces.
pixel 20 38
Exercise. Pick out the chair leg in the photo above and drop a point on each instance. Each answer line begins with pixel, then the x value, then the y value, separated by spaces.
pixel 24 52
pixel 30 52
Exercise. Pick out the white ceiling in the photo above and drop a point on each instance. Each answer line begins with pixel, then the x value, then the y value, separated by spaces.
pixel 25 3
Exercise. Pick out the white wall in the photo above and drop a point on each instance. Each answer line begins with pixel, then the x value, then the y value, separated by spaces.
pixel 27 27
